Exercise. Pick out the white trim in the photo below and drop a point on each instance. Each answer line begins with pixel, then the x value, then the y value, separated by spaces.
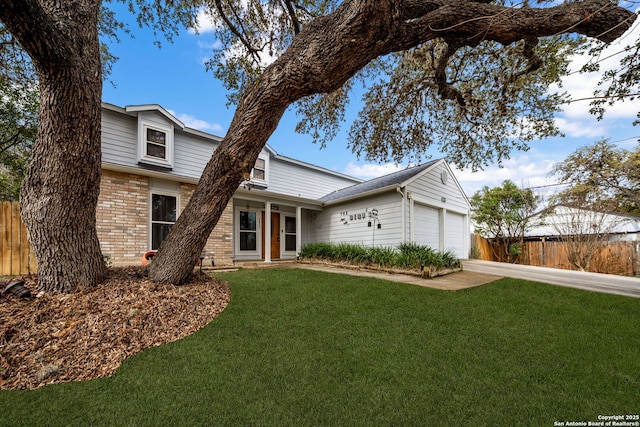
pixel 403 192
pixel 143 156
pixel 257 181
pixel 267 230
pixel 159 192
pixel 284 253
pixel 244 254
pixel 439 205
pixel 370 193
pixel 153 107
pixel 442 239
pixel 298 230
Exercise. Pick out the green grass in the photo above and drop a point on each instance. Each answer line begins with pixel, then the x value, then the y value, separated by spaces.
pixel 298 347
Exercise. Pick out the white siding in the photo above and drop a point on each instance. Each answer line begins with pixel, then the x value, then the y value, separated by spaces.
pixel 300 181
pixel 442 208
pixel 426 226
pixel 429 189
pixel 119 138
pixel 191 155
pixel 340 223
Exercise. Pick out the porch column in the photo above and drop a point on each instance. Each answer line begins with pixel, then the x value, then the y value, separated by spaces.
pixel 298 230
pixel 267 231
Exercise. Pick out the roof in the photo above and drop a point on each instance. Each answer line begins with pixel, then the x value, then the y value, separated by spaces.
pixel 384 182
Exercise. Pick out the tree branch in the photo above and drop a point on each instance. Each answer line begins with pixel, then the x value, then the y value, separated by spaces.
pixel 445 90
pixel 292 14
pixel 240 34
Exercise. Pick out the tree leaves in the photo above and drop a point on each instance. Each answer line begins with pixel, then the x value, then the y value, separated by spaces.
pixel 601 177
pixel 496 101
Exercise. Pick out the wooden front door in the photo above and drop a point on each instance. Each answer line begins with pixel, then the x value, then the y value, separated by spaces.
pixel 275 235
pixel 274 239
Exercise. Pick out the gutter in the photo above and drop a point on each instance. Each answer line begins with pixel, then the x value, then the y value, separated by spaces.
pixel 361 195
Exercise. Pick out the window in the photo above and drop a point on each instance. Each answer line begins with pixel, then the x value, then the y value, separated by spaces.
pixel 248 231
pixel 260 170
pixel 289 234
pixel 155 145
pixel 163 216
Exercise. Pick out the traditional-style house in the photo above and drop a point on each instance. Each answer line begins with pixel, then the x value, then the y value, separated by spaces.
pixel 151 163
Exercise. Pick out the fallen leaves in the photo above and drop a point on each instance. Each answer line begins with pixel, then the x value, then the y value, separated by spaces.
pixel 57 338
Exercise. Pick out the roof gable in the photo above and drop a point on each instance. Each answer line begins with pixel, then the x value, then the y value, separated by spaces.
pixel 156 108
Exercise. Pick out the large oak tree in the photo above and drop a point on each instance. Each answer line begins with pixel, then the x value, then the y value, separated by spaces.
pixel 328 44
pixel 329 50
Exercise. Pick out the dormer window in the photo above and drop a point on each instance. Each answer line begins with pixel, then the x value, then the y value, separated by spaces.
pixel 155 144
pixel 260 170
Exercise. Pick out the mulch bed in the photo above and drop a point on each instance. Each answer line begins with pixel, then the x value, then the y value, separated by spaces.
pixel 54 338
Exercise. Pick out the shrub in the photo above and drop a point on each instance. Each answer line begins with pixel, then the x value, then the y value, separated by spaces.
pixel 406 255
pixel 383 256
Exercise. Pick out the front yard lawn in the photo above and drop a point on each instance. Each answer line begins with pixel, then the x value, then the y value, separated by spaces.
pixel 299 347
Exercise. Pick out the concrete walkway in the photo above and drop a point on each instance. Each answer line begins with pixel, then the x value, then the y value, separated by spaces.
pixel 596 282
pixel 451 282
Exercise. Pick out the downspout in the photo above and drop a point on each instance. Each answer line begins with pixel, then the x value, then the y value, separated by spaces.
pixel 404 213
pixel 411 218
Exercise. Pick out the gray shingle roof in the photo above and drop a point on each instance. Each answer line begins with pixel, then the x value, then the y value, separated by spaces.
pixel 389 180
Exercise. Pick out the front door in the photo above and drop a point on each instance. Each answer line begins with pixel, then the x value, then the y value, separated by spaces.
pixel 274 239
pixel 275 235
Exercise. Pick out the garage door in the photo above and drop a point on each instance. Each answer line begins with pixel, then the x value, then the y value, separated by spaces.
pixel 455 234
pixel 426 227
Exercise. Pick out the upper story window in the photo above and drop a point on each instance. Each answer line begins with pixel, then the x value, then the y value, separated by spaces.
pixel 155 145
pixel 259 173
pixel 260 170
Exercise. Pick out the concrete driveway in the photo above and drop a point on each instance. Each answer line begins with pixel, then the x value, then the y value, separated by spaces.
pixel 596 282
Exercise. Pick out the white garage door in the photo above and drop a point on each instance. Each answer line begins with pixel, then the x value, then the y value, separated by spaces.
pixel 455 233
pixel 426 226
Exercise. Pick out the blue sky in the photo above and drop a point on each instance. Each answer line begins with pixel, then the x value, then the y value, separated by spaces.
pixel 175 78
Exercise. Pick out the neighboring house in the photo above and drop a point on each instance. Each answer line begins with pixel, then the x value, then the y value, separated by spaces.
pixel 561 221
pixel 151 163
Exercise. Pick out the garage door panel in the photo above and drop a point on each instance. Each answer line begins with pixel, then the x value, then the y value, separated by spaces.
pixel 455 234
pixel 426 228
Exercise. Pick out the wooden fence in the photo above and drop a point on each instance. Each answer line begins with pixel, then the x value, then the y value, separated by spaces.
pixel 622 258
pixel 16 256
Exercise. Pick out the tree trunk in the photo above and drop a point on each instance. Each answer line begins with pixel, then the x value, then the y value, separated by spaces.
pixel 60 192
pixel 328 52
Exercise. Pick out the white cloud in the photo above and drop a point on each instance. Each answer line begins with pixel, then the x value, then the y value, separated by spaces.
pixel 524 171
pixel 575 120
pixel 588 127
pixel 195 123
pixel 370 171
pixel 206 23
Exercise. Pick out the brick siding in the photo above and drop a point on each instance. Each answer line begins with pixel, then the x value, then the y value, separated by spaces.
pixel 219 247
pixel 122 221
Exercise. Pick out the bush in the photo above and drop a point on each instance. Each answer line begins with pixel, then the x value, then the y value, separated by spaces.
pixel 406 255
